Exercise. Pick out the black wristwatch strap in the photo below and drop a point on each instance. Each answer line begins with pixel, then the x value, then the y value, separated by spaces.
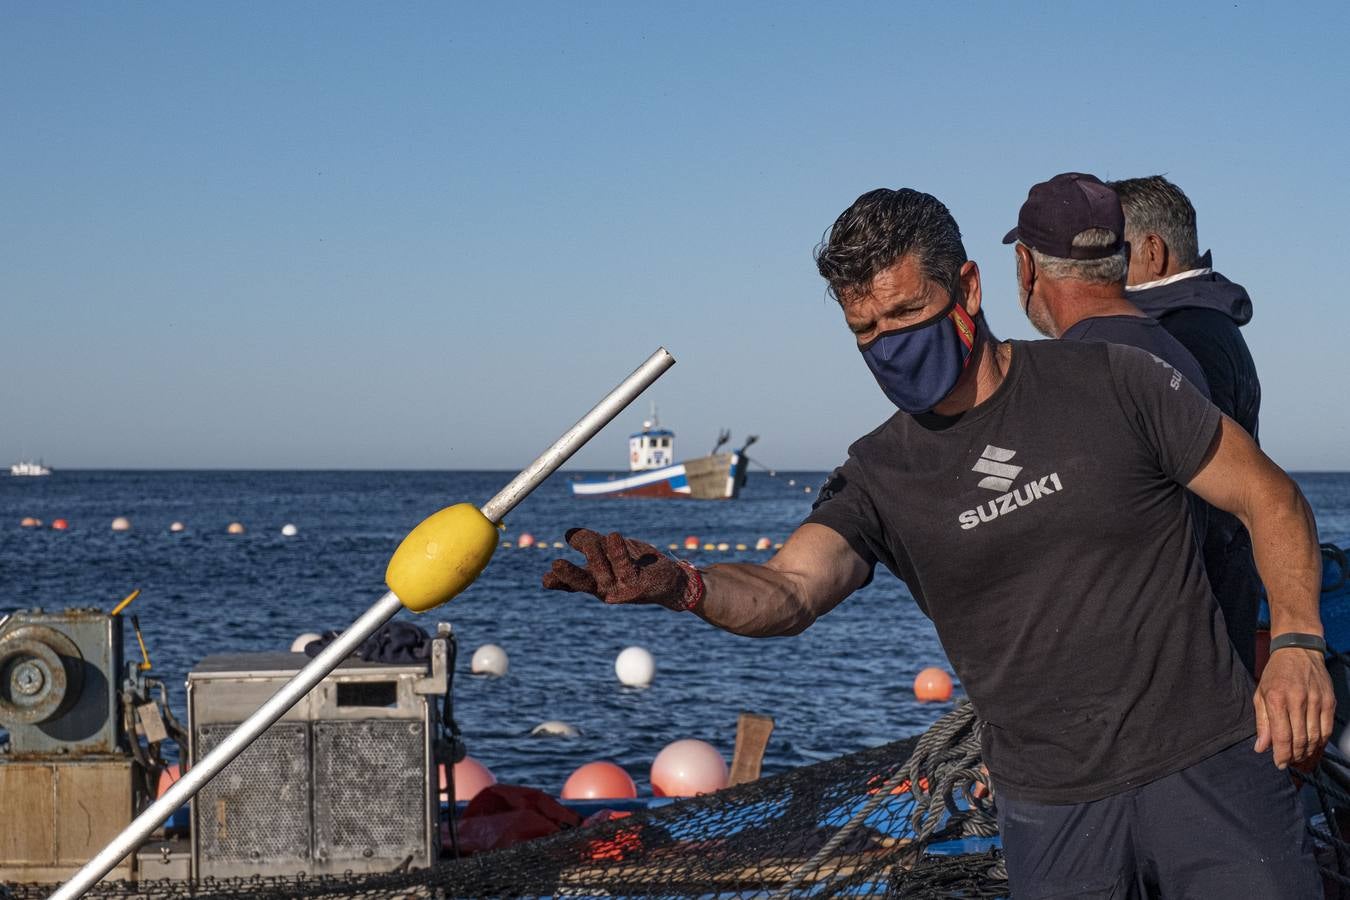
pixel 1298 639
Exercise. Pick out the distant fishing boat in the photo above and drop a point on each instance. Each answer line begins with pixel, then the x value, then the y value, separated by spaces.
pixel 651 460
pixel 28 467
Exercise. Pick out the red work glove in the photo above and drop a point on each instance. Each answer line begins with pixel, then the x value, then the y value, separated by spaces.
pixel 622 570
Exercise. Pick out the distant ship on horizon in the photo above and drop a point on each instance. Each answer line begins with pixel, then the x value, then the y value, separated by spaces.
pixel 30 468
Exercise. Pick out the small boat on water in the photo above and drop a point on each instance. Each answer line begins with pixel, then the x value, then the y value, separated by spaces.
pixel 28 467
pixel 654 472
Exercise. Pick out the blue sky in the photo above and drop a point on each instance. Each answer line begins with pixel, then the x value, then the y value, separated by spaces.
pixel 431 235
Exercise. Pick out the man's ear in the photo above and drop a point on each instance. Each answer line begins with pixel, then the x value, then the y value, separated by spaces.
pixel 969 279
pixel 1156 253
pixel 1026 267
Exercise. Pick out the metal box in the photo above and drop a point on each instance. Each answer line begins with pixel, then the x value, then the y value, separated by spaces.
pixel 345 781
pixel 59 682
pixel 58 814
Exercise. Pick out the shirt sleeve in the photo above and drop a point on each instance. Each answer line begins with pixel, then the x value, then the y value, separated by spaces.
pixel 1173 420
pixel 843 505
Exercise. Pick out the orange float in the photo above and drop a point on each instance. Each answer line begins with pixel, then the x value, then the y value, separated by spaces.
pixel 691 543
pixel 599 780
pixel 471 776
pixel 932 685
pixel 60 524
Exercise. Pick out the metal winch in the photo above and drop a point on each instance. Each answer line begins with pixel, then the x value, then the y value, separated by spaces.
pixel 79 738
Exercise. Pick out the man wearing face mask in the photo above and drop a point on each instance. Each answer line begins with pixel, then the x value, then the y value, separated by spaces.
pixel 1033 498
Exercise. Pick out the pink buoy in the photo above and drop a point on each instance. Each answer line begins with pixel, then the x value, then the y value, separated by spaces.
pixel 471 776
pixel 599 781
pixel 763 544
pixel 932 685
pixel 525 540
pixel 688 767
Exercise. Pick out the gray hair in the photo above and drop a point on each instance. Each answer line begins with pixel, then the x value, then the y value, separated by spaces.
pixel 1156 205
pixel 1109 269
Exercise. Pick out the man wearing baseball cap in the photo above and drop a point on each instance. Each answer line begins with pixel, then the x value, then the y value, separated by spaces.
pixel 1071 266
pixel 1032 496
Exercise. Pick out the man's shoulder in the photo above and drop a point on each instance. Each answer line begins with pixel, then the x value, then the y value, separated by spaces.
pixel 1197 321
pixel 1039 356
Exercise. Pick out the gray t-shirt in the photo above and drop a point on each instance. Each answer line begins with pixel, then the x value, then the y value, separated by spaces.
pixel 1045 532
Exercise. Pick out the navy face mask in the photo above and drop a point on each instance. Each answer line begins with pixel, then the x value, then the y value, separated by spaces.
pixel 918 365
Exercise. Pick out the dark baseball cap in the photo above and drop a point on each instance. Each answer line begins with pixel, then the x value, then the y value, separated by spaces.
pixel 1058 210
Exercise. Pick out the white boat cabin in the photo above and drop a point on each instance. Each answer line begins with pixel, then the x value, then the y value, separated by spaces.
pixel 651 448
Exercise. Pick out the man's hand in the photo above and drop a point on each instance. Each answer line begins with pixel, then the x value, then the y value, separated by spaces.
pixel 620 570
pixel 1295 707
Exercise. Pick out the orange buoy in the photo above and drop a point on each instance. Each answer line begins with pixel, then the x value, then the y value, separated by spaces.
pixel 525 540
pixel 691 542
pixel 599 780
pixel 763 544
pixel 60 524
pixel 29 522
pixel 234 528
pixel 932 685
pixel 471 776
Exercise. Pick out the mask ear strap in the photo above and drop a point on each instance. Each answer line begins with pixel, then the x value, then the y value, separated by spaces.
pixel 965 327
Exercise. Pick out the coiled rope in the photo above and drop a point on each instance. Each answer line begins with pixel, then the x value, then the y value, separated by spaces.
pixel 945 765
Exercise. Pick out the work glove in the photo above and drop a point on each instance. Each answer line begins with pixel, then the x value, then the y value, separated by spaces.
pixel 623 570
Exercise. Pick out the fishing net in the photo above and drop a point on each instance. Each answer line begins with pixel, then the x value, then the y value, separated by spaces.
pixel 908 819
pixel 869 824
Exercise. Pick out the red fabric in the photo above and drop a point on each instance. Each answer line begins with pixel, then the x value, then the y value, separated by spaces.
pixel 504 815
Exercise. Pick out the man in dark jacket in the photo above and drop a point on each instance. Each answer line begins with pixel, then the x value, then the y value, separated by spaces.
pixel 1169 280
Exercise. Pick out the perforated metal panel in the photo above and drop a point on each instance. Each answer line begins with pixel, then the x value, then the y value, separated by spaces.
pixel 256 811
pixel 370 789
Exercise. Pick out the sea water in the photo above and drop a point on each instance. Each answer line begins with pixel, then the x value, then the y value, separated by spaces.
pixel 842 685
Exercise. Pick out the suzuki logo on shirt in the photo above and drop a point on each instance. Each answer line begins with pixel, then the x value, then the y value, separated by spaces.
pixel 994 463
pixel 999 474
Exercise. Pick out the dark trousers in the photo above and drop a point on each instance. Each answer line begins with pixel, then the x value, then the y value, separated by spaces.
pixel 1228 827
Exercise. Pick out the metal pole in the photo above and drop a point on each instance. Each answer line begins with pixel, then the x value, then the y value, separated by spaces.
pixel 369 622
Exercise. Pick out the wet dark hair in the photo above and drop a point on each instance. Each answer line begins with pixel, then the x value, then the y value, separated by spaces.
pixel 882 226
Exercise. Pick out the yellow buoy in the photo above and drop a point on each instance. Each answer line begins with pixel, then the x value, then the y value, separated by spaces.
pixel 441 556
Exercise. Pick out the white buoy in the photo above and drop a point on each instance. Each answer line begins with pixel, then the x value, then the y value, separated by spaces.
pixel 300 643
pixel 121 523
pixel 234 528
pixel 635 667
pixel 489 659
pixel 177 526
pixel 289 530
pixel 554 728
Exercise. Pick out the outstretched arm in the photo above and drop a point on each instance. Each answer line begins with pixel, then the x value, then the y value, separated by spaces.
pixel 806 579
pixel 1294 702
